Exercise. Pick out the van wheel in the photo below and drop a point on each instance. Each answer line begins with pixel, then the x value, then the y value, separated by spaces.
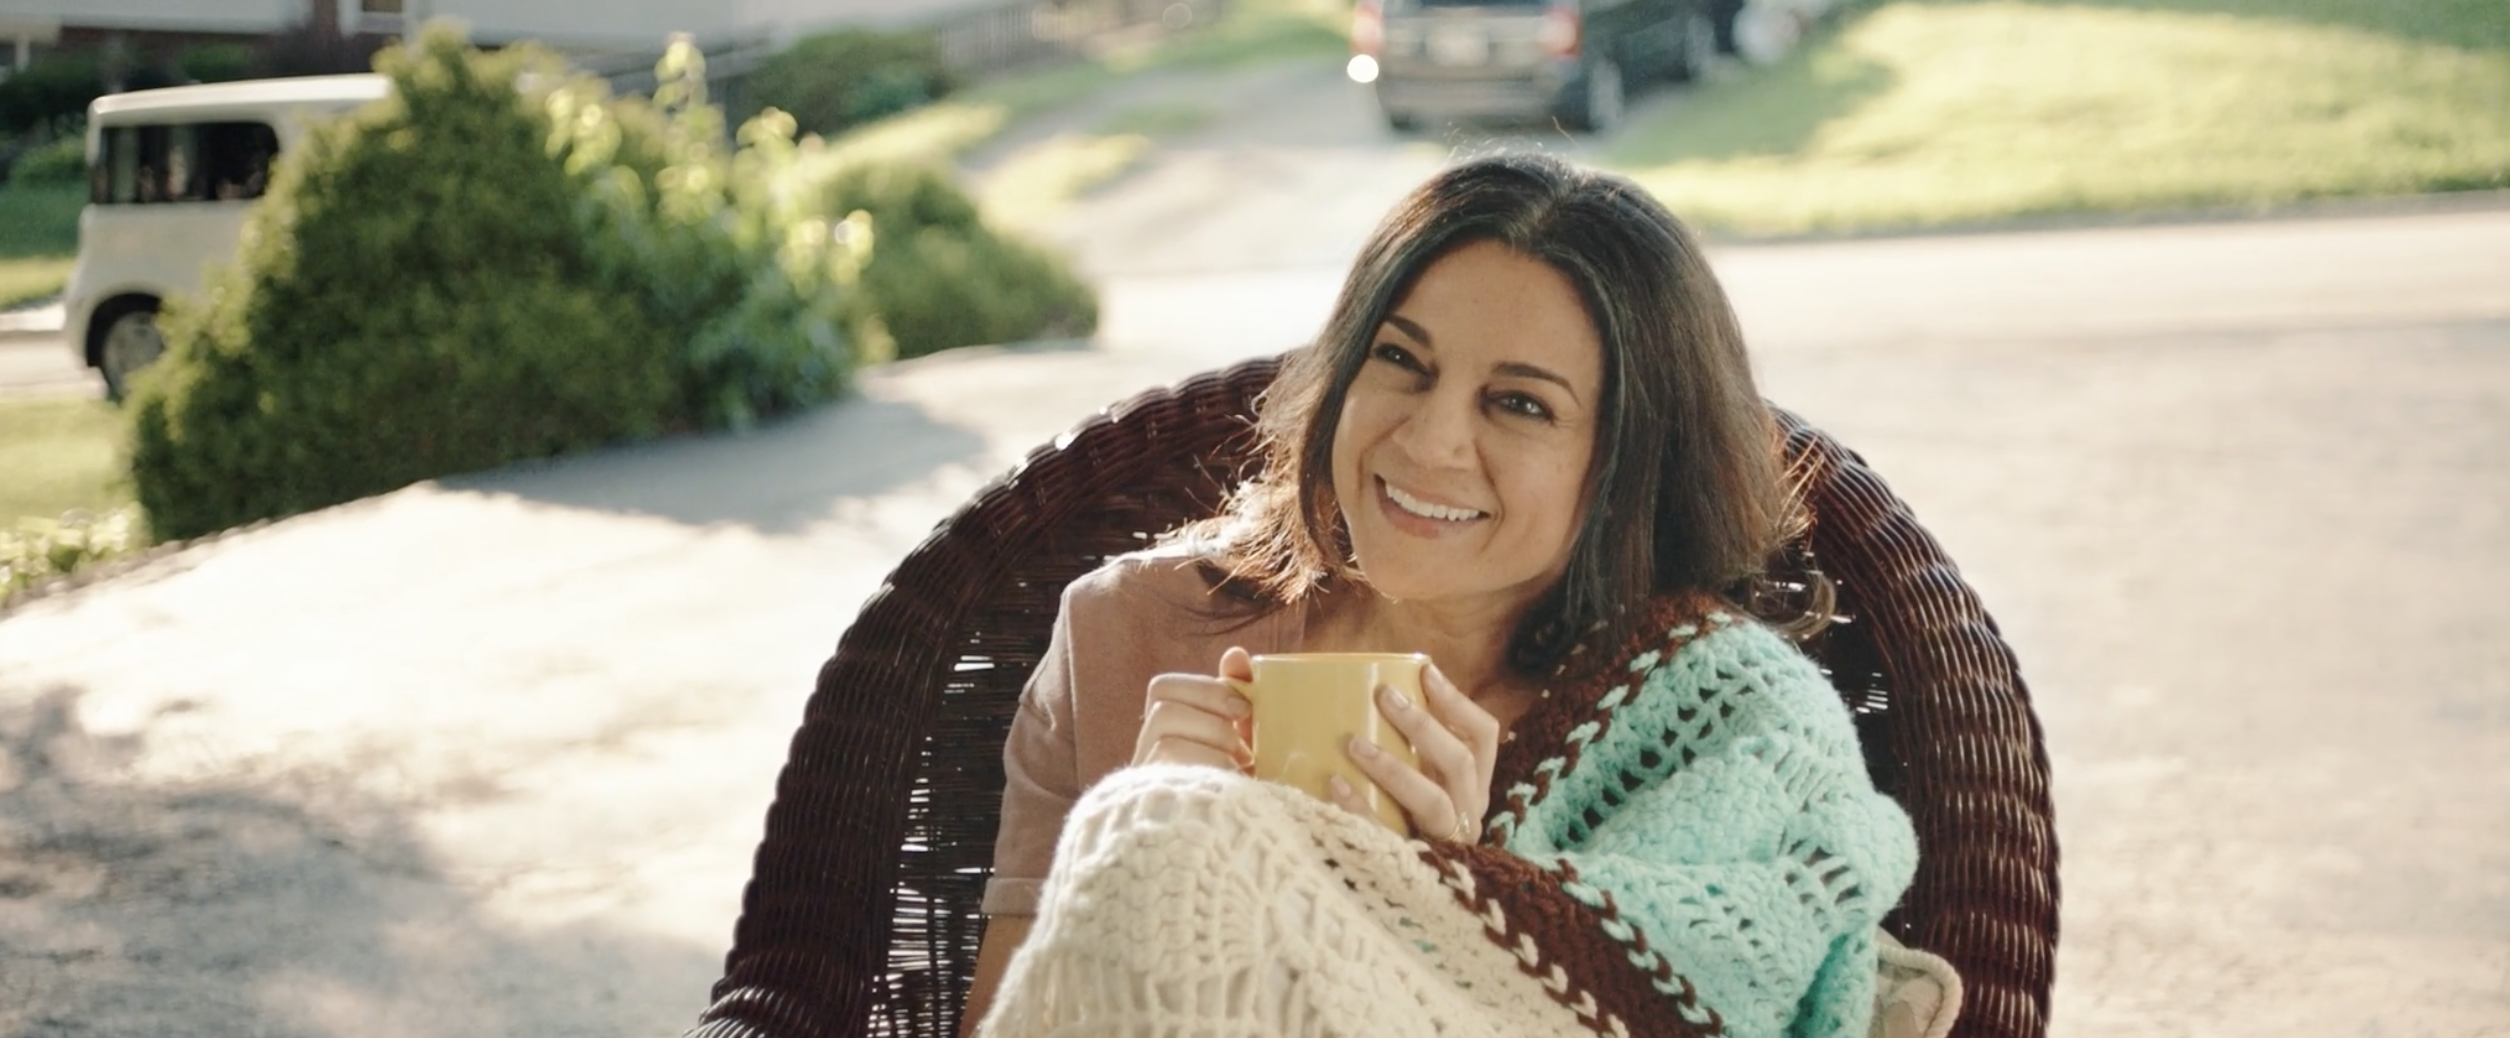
pixel 129 341
pixel 1598 106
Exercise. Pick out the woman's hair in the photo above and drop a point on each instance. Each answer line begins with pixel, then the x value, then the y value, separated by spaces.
pixel 1686 491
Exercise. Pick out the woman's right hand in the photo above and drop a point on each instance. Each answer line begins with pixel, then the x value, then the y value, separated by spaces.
pixel 1198 718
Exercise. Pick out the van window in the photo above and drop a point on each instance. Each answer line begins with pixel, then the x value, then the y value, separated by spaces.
pixel 184 162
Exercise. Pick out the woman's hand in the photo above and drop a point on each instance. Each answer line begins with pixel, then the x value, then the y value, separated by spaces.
pixel 1458 744
pixel 1198 718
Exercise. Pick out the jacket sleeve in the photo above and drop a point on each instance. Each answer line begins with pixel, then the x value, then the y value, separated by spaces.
pixel 1711 836
pixel 1041 778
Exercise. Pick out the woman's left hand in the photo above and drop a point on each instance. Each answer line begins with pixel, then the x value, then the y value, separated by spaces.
pixel 1457 742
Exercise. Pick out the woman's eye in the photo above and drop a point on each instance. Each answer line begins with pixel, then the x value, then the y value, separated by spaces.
pixel 1397 356
pixel 1522 404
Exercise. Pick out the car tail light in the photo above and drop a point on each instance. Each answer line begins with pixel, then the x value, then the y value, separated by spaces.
pixel 1368 28
pixel 1560 31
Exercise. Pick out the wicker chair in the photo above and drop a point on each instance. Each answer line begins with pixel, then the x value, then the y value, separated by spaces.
pixel 860 918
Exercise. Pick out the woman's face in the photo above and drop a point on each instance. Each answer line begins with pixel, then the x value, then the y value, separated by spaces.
pixel 1461 454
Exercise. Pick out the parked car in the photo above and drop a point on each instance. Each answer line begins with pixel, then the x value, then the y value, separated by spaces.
pixel 172 175
pixel 1574 60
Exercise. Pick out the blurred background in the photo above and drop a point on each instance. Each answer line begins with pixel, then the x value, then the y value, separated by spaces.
pixel 440 440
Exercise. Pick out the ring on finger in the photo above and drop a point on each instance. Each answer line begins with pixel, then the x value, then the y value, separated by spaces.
pixel 1463 826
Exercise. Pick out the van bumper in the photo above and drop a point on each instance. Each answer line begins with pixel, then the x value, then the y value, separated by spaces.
pixel 1533 93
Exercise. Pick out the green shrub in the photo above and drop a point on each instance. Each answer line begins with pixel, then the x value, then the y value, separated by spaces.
pixel 51 94
pixel 940 278
pixel 40 550
pixel 435 285
pixel 835 80
pixel 414 299
pixel 468 273
pixel 731 255
pixel 216 62
pixel 63 161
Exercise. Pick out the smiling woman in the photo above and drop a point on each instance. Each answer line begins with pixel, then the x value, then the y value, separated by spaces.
pixel 1464 450
pixel 1526 445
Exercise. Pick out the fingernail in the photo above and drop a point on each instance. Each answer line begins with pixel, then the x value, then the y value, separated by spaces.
pixel 1340 788
pixel 1362 748
pixel 1395 699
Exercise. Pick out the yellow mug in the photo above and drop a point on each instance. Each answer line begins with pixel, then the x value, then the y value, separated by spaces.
pixel 1308 706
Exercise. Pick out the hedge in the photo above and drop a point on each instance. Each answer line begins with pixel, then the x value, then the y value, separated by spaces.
pixel 475 271
pixel 467 274
pixel 833 81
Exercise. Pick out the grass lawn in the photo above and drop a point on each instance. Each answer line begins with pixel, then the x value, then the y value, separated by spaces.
pixel 38 240
pixel 1917 113
pixel 57 455
pixel 64 503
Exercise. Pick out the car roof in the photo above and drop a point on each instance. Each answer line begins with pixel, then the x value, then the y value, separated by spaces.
pixel 244 97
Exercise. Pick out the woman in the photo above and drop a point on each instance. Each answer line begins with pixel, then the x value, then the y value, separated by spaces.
pixel 1528 445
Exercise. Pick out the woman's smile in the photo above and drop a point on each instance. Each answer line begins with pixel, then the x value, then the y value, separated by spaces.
pixel 1432 517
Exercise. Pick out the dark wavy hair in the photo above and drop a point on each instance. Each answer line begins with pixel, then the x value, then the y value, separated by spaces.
pixel 1687 492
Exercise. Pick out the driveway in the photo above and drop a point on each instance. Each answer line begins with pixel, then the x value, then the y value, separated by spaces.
pixel 490 754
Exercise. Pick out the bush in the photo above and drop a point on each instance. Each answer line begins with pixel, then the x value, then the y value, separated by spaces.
pixel 61 162
pixel 51 94
pixel 435 285
pixel 216 62
pixel 940 278
pixel 836 80
pixel 41 550
pixel 413 300
pixel 731 255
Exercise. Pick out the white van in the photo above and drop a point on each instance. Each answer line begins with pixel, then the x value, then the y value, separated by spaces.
pixel 172 174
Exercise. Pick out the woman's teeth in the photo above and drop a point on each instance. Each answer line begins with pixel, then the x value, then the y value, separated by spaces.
pixel 1427 510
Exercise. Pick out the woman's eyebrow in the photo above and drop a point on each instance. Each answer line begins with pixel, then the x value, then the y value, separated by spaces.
pixel 1520 369
pixel 1511 368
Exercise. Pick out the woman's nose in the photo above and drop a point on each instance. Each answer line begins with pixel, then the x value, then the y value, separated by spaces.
pixel 1439 432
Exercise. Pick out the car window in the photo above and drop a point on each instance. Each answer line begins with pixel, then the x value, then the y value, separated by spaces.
pixel 182 162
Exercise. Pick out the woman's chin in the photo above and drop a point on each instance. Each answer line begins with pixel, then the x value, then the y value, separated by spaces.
pixel 1426 585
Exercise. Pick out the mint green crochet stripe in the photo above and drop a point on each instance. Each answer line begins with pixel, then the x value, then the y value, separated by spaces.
pixel 1736 680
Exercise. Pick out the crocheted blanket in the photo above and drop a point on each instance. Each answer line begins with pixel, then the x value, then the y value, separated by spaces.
pixel 1689 846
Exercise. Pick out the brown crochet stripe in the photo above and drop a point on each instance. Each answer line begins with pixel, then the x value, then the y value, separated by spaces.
pixel 1544 730
pixel 1561 944
pixel 1558 939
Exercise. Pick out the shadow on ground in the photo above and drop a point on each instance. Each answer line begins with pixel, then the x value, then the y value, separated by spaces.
pixel 779 478
pixel 282 903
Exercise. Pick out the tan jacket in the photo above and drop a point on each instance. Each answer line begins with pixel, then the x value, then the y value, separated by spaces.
pixel 1138 616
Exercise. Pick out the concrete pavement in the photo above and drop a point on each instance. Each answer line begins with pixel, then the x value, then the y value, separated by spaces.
pixel 36 361
pixel 490 755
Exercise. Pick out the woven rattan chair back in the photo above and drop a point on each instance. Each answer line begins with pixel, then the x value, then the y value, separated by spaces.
pixel 860 917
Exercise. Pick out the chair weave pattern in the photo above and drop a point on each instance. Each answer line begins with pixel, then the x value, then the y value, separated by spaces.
pixel 860 917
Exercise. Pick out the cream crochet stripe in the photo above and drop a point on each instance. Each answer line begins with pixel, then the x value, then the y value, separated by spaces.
pixel 1196 902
